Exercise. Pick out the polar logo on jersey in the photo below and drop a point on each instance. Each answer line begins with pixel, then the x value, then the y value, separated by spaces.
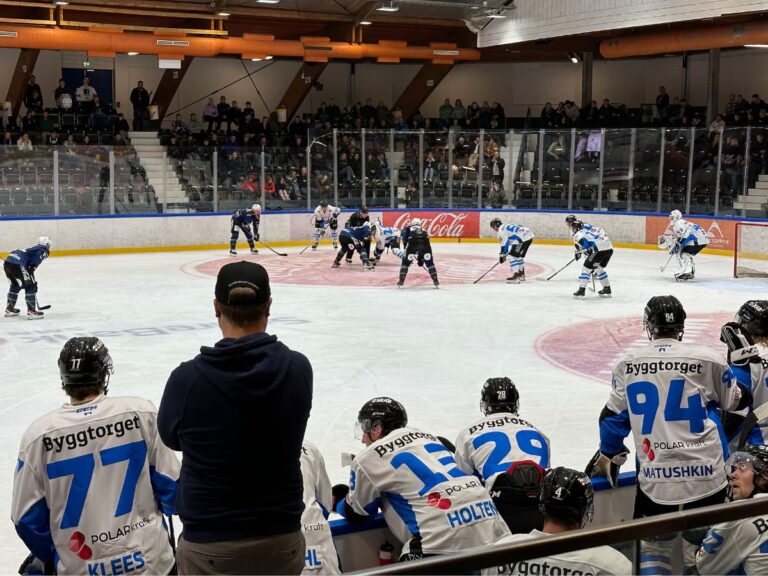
pixel 434 499
pixel 78 546
pixel 647 450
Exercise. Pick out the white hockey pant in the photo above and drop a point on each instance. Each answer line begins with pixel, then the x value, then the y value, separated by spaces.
pixel 685 261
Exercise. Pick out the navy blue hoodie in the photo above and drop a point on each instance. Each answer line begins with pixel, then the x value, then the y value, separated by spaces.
pixel 238 412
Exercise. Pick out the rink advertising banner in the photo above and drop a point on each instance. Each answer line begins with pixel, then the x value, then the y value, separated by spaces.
pixel 439 224
pixel 721 233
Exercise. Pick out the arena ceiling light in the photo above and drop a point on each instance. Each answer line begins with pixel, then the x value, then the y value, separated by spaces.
pixel 223 14
pixel 365 23
pixel 61 3
pixel 267 1
pixel 755 45
pixel 391 7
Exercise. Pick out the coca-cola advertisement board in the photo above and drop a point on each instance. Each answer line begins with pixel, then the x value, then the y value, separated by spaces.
pixel 438 224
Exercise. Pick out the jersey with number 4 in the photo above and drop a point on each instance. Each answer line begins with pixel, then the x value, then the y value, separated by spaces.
pixel 428 502
pixel 88 486
pixel 598 561
pixel 689 234
pixel 737 547
pixel 320 556
pixel 491 445
pixel 668 394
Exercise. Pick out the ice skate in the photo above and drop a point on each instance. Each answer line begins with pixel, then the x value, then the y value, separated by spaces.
pixel 683 276
pixel 11 311
pixel 34 315
pixel 400 284
pixel 605 292
pixel 437 284
pixel 314 246
pixel 580 293
pixel 368 267
pixel 335 245
pixel 514 279
pixel 233 252
pixel 254 251
pixel 349 260
pixel 335 264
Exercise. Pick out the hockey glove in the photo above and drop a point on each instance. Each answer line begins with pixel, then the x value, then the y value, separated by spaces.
pixel 675 248
pixel 607 466
pixel 577 255
pixel 741 348
pixel 256 236
pixel 333 223
pixel 502 258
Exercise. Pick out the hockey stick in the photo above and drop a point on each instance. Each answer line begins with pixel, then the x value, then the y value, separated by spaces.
pixel 662 268
pixel 752 419
pixel 548 278
pixel 269 248
pixel 486 274
pixel 592 275
pixel 310 245
pixel 46 307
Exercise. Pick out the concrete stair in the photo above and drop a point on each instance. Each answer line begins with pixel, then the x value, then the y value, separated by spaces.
pixel 756 198
pixel 160 171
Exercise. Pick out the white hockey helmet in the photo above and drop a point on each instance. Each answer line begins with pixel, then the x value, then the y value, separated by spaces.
pixel 675 215
pixel 415 222
pixel 256 208
pixel 44 241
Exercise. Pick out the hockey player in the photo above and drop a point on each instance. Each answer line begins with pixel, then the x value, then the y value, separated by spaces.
pixel 567 501
pixel 354 239
pixel 515 241
pixel 418 248
pixel 667 394
pixel 689 240
pixel 491 445
pixel 737 547
pixel 358 218
pixel 326 216
pixel 93 478
pixel 19 267
pixel 594 242
pixel 386 237
pixel 747 341
pixel 428 503
pixel 243 219
pixel 321 557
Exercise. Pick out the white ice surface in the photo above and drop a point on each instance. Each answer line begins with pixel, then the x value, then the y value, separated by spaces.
pixel 430 349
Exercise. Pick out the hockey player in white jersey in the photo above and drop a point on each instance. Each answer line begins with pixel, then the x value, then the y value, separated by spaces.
pixel 93 479
pixel 747 341
pixel 566 500
pixel 515 241
pixel 429 504
pixel 321 557
pixel 491 445
pixel 668 394
pixel 594 242
pixel 738 547
pixel 386 237
pixel 326 216
pixel 689 239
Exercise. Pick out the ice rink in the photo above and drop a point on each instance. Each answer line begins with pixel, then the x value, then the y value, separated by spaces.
pixel 430 349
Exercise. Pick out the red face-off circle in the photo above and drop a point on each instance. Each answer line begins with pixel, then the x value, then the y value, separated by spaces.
pixel 314 269
pixel 592 348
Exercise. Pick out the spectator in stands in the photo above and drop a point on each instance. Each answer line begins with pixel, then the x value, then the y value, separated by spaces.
pixel 70 145
pixel 239 516
pixel 497 167
pixel 758 156
pixel 231 144
pixel 24 144
pixel 561 120
pixel 223 109
pixel 372 167
pixel 459 112
pixel 605 113
pixel 718 124
pixel 484 117
pixel 558 149
pixel 368 111
pixel 175 150
pixel 235 114
pixel 210 114
pixel 730 107
pixel 498 194
pixel 121 126
pixel 99 118
pixel 54 139
pixel 193 126
pixel 733 163
pixel 446 113
pixel 84 96
pixel 430 164
pixel 250 185
pixel 571 113
pixel 63 96
pixel 269 187
pixel 497 111
pixel 178 126
pixel 756 104
pixel 119 141
pixel 46 126
pixel 29 122
pixel 383 166
pixel 346 173
pixel 662 103
pixel 33 95
pixel 7 140
pixel 140 100
pixel 548 119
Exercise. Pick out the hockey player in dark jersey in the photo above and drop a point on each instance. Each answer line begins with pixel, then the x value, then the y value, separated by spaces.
pixel 354 239
pixel 358 219
pixel 418 248
pixel 19 267
pixel 242 219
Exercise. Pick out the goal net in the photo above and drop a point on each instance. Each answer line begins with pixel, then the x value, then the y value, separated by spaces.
pixel 750 258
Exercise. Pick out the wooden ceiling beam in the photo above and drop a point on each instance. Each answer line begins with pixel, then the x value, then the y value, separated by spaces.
pixel 423 84
pixel 25 66
pixel 139 12
pixel 168 86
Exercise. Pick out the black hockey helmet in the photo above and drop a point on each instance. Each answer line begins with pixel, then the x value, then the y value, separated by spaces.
pixel 757 456
pixel 516 495
pixel 495 224
pixel 664 314
pixel 575 225
pixel 499 395
pixel 753 316
pixel 85 361
pixel 567 496
pixel 383 411
pixel 323 203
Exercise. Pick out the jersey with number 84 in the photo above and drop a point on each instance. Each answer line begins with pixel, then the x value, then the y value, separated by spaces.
pixel 667 394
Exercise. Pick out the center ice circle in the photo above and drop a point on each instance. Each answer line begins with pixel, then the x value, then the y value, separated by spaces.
pixel 314 269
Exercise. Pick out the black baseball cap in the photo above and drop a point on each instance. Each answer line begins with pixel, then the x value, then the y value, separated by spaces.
pixel 242 275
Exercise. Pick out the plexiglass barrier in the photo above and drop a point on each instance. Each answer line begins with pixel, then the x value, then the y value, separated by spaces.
pixel 641 169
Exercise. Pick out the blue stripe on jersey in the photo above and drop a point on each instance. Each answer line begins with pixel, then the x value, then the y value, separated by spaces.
pixel 323 510
pixel 743 376
pixel 713 413
pixel 755 436
pixel 654 570
pixel 35 530
pixel 613 430
pixel 405 511
pixel 763 547
pixel 164 489
pixel 19 465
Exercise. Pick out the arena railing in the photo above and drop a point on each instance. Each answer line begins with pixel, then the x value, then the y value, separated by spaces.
pixel 490 556
pixel 646 170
